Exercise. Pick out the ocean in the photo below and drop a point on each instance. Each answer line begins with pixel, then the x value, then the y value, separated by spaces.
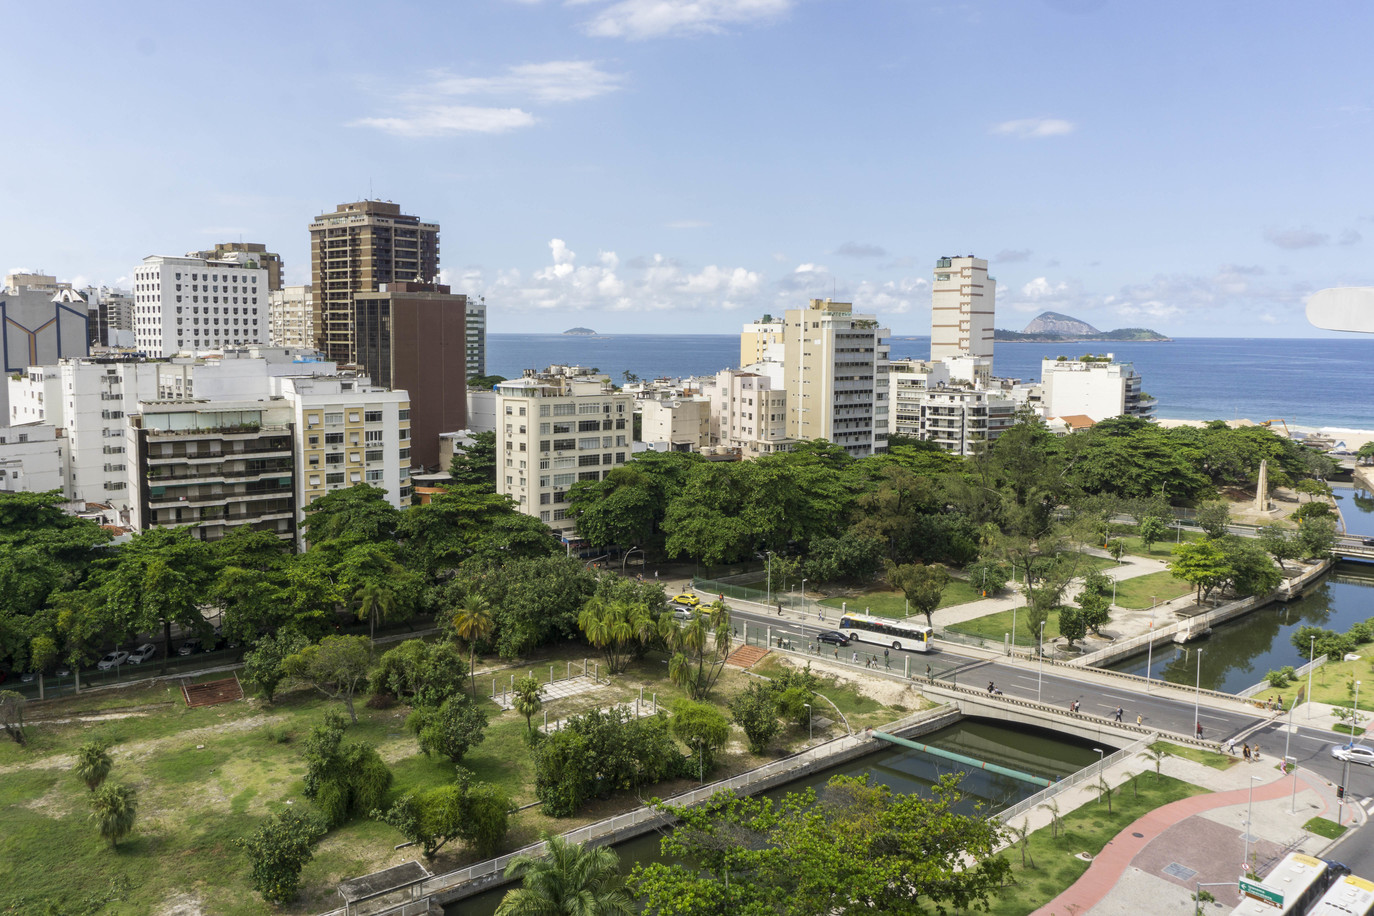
pixel 1306 382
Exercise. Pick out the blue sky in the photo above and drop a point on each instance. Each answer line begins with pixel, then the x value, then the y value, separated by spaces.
pixel 687 165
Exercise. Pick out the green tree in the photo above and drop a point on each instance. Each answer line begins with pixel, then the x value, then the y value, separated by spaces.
pixel 988 576
pixel 1213 518
pixel 1201 563
pixel 1153 529
pixel 701 727
pixel 467 525
pixel 1094 611
pixel 473 624
pixel 697 649
pixel 278 850
pixel 568 880
pixel 343 779
pixel 93 763
pixel 263 665
pixel 527 699
pixel 617 628
pixel 847 558
pixel 476 813
pixel 360 514
pixel 1117 548
pixel 160 578
pixel 535 601
pixel 474 464
pixel 1252 572
pixel 1279 543
pixel 756 712
pixel 114 808
pixel 923 586
pixel 1313 488
pixel 423 674
pixel 1316 536
pixel 1365 453
pixel 451 730
pixel 337 667
pixel 379 584
pixel 1071 624
pixel 854 847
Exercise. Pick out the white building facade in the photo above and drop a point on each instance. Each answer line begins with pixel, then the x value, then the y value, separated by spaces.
pixel 291 317
pixel 188 304
pixel 749 413
pixel 1093 386
pixel 962 304
pixel 835 374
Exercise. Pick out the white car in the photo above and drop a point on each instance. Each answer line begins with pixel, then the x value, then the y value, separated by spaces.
pixel 142 653
pixel 1355 753
pixel 113 660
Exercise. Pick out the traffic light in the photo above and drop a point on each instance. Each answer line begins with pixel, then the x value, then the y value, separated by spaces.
pixel 1340 792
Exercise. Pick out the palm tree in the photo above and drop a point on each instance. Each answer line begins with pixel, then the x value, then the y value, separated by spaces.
pixel 569 880
pixel 1156 753
pixel 473 623
pixel 375 601
pixel 114 808
pixel 93 763
pixel 527 698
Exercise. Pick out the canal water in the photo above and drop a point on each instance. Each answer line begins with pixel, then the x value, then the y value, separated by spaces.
pixel 1030 750
pixel 1240 652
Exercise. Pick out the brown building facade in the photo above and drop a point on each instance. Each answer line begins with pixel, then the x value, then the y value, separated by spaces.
pixel 356 249
pixel 414 336
pixel 255 254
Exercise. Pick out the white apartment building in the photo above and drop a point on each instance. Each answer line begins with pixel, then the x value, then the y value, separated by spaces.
pixel 554 430
pixel 962 304
pixel 749 413
pixel 111 316
pixel 678 425
pixel 475 327
pixel 349 432
pixel 929 402
pixel 761 341
pixel 836 378
pixel 213 466
pixel 188 304
pixel 32 458
pixel 291 317
pixel 1093 386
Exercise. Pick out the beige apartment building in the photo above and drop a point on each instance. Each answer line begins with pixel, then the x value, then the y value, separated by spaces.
pixel 761 341
pixel 553 430
pixel 254 253
pixel 291 317
pixel 962 302
pixel 749 413
pixel 356 249
pixel 835 375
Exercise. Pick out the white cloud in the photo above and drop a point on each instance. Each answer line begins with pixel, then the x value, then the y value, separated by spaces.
pixel 1041 288
pixel 861 250
pixel 1030 128
pixel 555 81
pixel 431 110
pixel 641 19
pixel 655 283
pixel 1293 239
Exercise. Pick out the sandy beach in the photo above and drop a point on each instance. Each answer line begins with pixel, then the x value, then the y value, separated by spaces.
pixel 1353 438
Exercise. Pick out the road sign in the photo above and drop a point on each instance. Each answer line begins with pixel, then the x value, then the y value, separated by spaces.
pixel 1257 890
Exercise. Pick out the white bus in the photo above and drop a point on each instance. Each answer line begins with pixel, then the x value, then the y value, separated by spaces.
pixel 885 632
pixel 1350 896
pixel 1298 880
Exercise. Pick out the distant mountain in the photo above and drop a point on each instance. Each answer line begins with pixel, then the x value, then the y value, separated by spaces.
pixel 580 332
pixel 1059 325
pixel 1052 326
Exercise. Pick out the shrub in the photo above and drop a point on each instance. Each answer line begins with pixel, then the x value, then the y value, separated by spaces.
pixel 278 850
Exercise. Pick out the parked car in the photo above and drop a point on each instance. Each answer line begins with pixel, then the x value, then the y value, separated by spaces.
pixel 28 677
pixel 1368 542
pixel 834 637
pixel 1355 753
pixel 113 660
pixel 687 598
pixel 142 654
pixel 191 646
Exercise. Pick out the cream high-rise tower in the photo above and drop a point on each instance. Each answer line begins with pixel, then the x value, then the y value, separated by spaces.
pixel 836 378
pixel 962 302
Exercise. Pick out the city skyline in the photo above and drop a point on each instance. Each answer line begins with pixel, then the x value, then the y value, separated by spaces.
pixel 667 166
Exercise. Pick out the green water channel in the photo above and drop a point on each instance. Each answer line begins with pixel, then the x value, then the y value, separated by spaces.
pixel 1030 750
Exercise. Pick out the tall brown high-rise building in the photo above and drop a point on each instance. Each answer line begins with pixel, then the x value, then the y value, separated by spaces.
pixel 254 254
pixel 413 336
pixel 356 249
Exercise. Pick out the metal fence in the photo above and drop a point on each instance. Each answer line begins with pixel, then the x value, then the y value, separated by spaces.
pixel 739 592
pixel 1264 685
pixel 1074 780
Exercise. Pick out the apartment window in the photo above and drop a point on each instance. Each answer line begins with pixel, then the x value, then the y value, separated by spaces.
pixel 373 416
pixel 589 442
pixel 354 416
pixel 334 479
pixel 374 476
pixel 355 476
pixel 588 426
pixel 355 457
pixel 333 438
pixel 560 514
pixel 589 475
pixel 561 445
pixel 405 453
pixel 375 454
pixel 335 458
pixel 333 418
pixel 586 461
pixel 564 480
pixel 564 410
pixel 543 429
pixel 314 480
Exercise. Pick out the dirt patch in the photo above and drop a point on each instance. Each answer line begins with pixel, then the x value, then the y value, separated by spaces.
pixel 181 905
pixel 885 691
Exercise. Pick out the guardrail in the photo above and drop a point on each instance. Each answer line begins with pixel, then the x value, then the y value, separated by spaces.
pixel 1262 686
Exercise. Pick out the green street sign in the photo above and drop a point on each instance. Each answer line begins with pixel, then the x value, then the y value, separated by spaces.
pixel 1254 889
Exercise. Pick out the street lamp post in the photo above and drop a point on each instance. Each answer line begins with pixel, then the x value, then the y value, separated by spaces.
pixel 1197 695
pixel 1293 801
pixel 808 721
pixel 1150 651
pixel 1355 713
pixel 1040 674
pixel 1311 660
pixel 1101 759
pixel 1288 733
pixel 1249 808
pixel 768 599
pixel 1013 629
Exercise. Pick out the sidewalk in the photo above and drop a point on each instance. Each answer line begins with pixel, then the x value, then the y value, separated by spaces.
pixel 1155 864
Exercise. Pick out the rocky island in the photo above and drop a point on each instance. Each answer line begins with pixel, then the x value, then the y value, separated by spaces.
pixel 1053 326
pixel 580 332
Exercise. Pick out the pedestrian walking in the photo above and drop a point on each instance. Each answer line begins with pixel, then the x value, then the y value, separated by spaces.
pixel 1246 753
pixel 1139 718
pixel 1280 702
pixel 779 608
pixel 655 575
pixel 1255 751
pixel 856 658
pixel 885 654
pixel 1119 712
pixel 837 653
pixel 1230 746
pixel 928 674
pixel 1199 731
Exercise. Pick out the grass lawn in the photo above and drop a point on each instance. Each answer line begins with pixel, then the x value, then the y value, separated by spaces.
pixel 1334 681
pixel 1322 827
pixel 1197 755
pixel 996 626
pixel 893 603
pixel 1087 829
pixel 1141 591
pixel 1159 550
